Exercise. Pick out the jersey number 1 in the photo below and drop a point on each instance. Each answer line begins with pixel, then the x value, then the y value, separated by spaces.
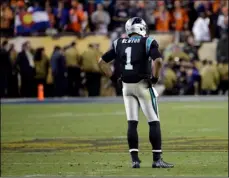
pixel 128 65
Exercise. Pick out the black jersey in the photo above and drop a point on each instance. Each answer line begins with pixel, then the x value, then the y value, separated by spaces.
pixel 134 55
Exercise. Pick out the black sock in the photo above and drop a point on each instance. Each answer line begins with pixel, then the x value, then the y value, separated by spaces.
pixel 155 139
pixel 134 156
pixel 132 137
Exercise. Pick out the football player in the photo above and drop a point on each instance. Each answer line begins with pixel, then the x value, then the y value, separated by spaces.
pixel 135 55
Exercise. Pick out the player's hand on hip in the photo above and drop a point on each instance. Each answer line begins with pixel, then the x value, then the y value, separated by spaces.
pixel 154 80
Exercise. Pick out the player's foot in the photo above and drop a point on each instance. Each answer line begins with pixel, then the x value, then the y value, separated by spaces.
pixel 136 164
pixel 161 164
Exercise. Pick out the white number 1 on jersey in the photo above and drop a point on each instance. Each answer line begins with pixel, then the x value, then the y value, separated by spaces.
pixel 128 65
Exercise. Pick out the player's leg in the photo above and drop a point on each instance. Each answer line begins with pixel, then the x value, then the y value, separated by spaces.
pixel 150 109
pixel 132 108
pixel 148 103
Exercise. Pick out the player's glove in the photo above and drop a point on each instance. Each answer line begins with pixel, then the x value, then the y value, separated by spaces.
pixel 113 78
pixel 116 80
pixel 119 82
pixel 154 80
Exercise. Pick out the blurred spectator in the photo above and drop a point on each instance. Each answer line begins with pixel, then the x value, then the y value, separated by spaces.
pixel 162 18
pixel 25 63
pixel 85 20
pixel 193 80
pixel 175 52
pixel 90 66
pixel 6 19
pixel 121 15
pixel 203 6
pixel 222 21
pixel 20 6
pixel 223 73
pixel 5 69
pixel 149 8
pixel 13 90
pixel 61 13
pixel 180 17
pixel 52 19
pixel 76 17
pixel 209 78
pixel 168 4
pixel 180 69
pixel 35 7
pixel 201 28
pixel 59 71
pixel 101 20
pixel 190 48
pixel 132 8
pixel 171 48
pixel 192 14
pixel 216 6
pixel 99 2
pixel 73 68
pixel 138 9
pixel 222 48
pixel 41 65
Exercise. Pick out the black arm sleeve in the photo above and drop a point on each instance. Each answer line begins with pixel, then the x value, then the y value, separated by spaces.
pixel 109 55
pixel 154 52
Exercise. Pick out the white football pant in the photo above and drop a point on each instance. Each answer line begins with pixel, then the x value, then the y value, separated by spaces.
pixel 138 95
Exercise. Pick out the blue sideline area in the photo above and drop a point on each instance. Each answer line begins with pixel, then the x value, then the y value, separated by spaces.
pixel 67 100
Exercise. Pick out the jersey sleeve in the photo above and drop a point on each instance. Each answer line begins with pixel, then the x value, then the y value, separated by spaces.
pixel 111 54
pixel 152 48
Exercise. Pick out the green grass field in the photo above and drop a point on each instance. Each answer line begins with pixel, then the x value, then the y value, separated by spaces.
pixel 90 139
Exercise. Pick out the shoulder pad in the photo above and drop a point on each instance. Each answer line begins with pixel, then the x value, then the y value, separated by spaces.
pixel 149 41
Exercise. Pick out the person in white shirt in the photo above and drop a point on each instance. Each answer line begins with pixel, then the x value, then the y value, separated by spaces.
pixel 101 19
pixel 222 21
pixel 201 28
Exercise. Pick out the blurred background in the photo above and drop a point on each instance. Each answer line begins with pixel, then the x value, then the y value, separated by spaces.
pixel 54 45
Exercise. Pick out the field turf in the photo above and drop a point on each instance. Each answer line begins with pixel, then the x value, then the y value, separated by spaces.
pixel 90 140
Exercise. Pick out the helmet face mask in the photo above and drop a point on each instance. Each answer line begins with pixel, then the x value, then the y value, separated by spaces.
pixel 136 25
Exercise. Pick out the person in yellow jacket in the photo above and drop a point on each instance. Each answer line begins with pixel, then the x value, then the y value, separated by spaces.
pixel 73 69
pixel 169 80
pixel 223 73
pixel 209 78
pixel 89 64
